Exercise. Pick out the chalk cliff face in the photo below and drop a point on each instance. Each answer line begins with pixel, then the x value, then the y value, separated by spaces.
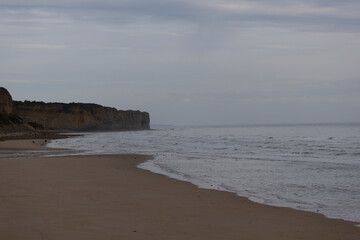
pixel 80 116
pixel 18 116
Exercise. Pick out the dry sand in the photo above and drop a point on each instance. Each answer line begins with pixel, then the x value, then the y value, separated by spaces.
pixel 107 197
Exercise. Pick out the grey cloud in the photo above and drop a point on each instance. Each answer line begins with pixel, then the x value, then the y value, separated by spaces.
pixel 160 55
pixel 329 15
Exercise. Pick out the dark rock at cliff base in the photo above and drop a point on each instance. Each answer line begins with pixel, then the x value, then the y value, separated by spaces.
pixel 16 116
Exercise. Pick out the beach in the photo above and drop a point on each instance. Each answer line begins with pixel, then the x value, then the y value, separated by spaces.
pixel 108 197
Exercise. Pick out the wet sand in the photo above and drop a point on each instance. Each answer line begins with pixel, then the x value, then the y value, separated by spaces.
pixel 24 144
pixel 108 197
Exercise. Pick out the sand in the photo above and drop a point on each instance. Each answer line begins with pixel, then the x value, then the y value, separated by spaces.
pixel 24 144
pixel 108 197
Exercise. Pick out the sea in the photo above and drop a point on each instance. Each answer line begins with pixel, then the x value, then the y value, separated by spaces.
pixel 313 167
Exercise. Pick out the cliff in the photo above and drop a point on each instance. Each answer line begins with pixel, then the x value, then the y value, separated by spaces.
pixel 10 122
pixel 31 116
pixel 80 116
pixel 6 104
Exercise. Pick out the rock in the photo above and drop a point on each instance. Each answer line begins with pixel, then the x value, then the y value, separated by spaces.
pixel 30 116
pixel 6 103
pixel 80 116
pixel 9 122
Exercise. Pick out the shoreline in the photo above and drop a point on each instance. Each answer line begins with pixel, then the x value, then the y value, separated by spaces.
pixel 108 196
pixel 257 201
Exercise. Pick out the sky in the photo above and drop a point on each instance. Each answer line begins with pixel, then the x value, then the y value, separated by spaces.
pixel 188 62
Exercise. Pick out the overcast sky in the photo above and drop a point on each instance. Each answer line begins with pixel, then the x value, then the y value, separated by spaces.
pixel 188 62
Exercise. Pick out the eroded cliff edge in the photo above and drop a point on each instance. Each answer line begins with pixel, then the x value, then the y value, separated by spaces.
pixel 71 116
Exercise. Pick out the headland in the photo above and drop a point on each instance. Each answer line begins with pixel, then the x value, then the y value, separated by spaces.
pixel 29 117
